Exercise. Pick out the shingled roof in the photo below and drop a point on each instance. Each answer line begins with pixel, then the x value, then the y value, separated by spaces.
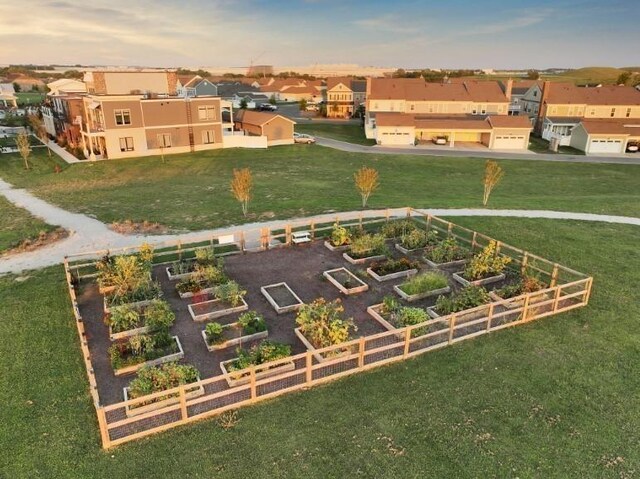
pixel 570 94
pixel 416 89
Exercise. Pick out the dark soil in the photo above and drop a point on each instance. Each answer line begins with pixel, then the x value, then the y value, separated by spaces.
pixel 282 296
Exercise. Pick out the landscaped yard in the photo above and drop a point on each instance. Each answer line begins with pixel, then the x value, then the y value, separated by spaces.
pixel 550 399
pixel 18 225
pixel 540 145
pixel 191 191
pixel 30 98
pixel 343 132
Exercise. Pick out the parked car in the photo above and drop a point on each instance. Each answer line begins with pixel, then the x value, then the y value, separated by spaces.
pixel 440 140
pixel 311 107
pixel 268 107
pixel 302 138
pixel 633 147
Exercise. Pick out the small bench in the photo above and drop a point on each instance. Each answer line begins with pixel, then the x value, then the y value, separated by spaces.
pixel 300 237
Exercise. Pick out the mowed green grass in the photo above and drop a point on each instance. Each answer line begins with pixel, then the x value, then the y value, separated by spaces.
pixel 556 398
pixel 343 132
pixel 17 225
pixel 30 98
pixel 191 191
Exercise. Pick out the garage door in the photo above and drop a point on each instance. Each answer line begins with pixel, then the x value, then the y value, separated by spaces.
pixel 509 142
pixel 605 146
pixel 467 136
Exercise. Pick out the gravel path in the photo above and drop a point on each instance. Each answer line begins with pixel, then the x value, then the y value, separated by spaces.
pixel 88 234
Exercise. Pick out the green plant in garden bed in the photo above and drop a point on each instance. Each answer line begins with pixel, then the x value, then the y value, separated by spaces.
pixel 400 316
pixel 202 257
pixel 368 245
pixel 447 251
pixel 527 284
pixel 321 322
pixel 141 348
pixel 391 266
pixel 486 263
pixel 146 291
pixel 397 228
pixel 425 282
pixel 125 273
pixel 214 333
pixel 154 379
pixel 264 352
pixel 252 322
pixel 340 235
pixel 155 316
pixel 417 239
pixel 467 298
pixel 230 293
pixel 204 276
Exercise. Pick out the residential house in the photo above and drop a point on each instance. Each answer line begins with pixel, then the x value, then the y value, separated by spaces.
pixel 292 89
pixel 606 136
pixel 120 126
pixel 65 86
pixel 406 111
pixel 115 82
pixel 62 110
pixel 8 95
pixel 253 100
pixel 276 128
pixel 344 96
pixel 195 85
pixel 515 91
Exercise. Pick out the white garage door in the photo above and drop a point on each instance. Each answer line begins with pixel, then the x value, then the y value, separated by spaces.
pixel 605 146
pixel 509 142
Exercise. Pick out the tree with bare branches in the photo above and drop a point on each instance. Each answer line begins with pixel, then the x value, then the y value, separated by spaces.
pixel 493 173
pixel 24 148
pixel 367 181
pixel 241 186
pixel 37 125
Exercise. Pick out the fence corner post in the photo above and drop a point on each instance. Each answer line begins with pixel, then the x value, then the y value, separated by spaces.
pixel 309 366
pixel 361 346
pixel 183 403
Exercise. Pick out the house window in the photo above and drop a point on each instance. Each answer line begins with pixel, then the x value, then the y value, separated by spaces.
pixel 535 92
pixel 483 111
pixel 628 114
pixel 592 112
pixel 474 111
pixel 164 140
pixel 123 117
pixel 613 112
pixel 413 107
pixel 126 144
pixel 208 137
pixel 206 113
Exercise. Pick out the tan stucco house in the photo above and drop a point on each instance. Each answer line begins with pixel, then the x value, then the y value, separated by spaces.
pixel 344 96
pixel 276 128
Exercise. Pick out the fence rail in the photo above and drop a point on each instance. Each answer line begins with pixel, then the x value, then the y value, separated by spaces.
pixel 568 290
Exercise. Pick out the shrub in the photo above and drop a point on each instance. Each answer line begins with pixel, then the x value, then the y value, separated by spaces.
pixel 419 239
pixel 398 228
pixel 264 352
pixel 322 324
pixel 123 318
pixel 213 332
pixel 251 322
pixel 124 273
pixel 409 316
pixel 205 256
pixel 230 293
pixel 393 266
pixel 145 291
pixel 158 315
pixel 160 378
pixel 368 245
pixel 140 348
pixel 447 251
pixel 404 316
pixel 527 284
pixel 486 263
pixel 424 283
pixel 340 235
pixel 466 298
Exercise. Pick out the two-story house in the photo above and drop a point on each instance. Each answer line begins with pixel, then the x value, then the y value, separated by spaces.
pixel 407 111
pixel 344 96
pixel 195 85
pixel 62 110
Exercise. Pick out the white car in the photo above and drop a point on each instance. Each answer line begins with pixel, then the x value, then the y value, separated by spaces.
pixel 632 148
pixel 302 138
pixel 440 140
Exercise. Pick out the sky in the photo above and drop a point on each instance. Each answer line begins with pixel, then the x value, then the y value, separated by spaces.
pixel 386 33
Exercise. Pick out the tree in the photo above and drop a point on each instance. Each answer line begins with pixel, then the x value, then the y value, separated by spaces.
pixel 16 87
pixel 241 186
pixel 22 142
pixel 272 99
pixel 40 131
pixel 492 176
pixel 244 104
pixel 303 104
pixel 623 78
pixel 366 180
pixel 533 75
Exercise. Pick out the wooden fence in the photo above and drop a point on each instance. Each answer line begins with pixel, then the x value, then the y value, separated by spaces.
pixel 568 290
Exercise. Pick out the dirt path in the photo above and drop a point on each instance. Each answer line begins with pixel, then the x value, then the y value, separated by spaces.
pixel 88 234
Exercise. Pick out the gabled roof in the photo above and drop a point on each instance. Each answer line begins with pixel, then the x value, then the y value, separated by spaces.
pixel 612 126
pixel 258 118
pixel 416 89
pixel 568 94
pixel 7 89
pixel 300 89
pixel 189 80
pixel 452 122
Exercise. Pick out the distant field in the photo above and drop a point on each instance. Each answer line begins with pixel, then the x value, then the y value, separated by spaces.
pixel 604 75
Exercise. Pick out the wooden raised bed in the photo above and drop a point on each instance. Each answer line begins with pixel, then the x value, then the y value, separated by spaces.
pixel 153 362
pixel 173 277
pixel 190 294
pixel 390 276
pixel 330 247
pixel 478 282
pixel 362 260
pixel 239 339
pixel 374 312
pixel 416 297
pixel 128 333
pixel 450 264
pixel 404 250
pixel 320 356
pixel 339 276
pixel 136 304
pixel 243 376
pixel 518 301
pixel 217 307
pixel 155 404
pixel 281 297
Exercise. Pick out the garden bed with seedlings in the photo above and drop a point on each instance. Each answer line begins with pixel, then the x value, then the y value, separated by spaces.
pixel 249 327
pixel 281 297
pixel 347 282
pixel 446 254
pixel 368 247
pixel 425 285
pixel 392 269
pixel 228 299
pixel 144 350
pixel 264 360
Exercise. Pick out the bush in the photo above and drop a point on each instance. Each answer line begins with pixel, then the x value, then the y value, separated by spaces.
pixel 146 291
pixel 397 228
pixel 423 283
pixel 125 273
pixel 322 324
pixel 230 293
pixel 409 316
pixel 251 322
pixel 160 378
pixel 393 266
pixel 466 298
pixel 340 235
pixel 419 239
pixel 368 245
pixel 213 332
pixel 140 348
pixel 527 284
pixel 123 318
pixel 205 256
pixel 447 251
pixel 402 316
pixel 486 263
pixel 158 315
pixel 264 352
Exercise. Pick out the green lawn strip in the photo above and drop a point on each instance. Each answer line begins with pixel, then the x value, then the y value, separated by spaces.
pixel 17 225
pixel 191 191
pixel 554 398
pixel 343 132
pixel 540 145
pixel 30 98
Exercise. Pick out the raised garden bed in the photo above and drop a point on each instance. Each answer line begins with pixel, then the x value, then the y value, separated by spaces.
pixel 281 297
pixel 478 282
pixel 173 275
pixel 416 297
pixel 174 356
pixel 460 315
pixel 449 264
pixel 330 247
pixel 128 333
pixel 161 402
pixel 214 308
pixel 191 294
pixel 345 281
pixel 392 269
pixel 424 285
pixel 135 304
pixel 518 301
pixel 321 357
pixel 232 336
pixel 264 370
pixel 363 259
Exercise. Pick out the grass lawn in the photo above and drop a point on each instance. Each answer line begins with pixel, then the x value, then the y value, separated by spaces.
pixel 540 145
pixel 347 132
pixel 30 98
pixel 191 191
pixel 555 398
pixel 17 225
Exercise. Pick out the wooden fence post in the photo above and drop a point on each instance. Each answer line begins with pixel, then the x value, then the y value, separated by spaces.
pixel 309 370
pixel 449 229
pixel 360 219
pixel 179 250
pixel 490 317
pixel 408 212
pixel 407 342
pixel 287 234
pixel 312 227
pixel 498 246
pixel 556 299
pixel 264 240
pixel 525 308
pixel 473 241
pixel 102 424
pixel 588 295
pixel 253 383
pixel 183 403
pixel 554 275
pixel 452 323
pixel 387 215
pixel 243 244
pixel 361 346
pixel 525 261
